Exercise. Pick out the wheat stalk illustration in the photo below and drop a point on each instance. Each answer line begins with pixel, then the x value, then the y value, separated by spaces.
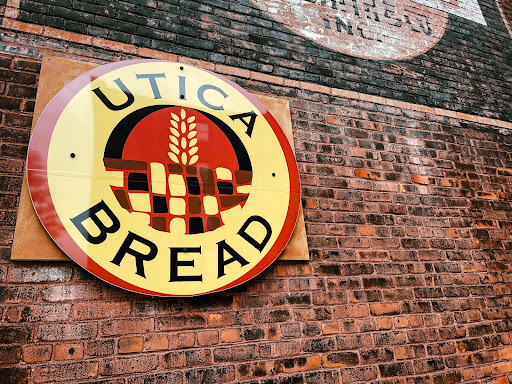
pixel 183 141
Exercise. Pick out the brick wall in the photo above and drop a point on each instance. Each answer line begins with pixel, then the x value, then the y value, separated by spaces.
pixel 463 72
pixel 408 215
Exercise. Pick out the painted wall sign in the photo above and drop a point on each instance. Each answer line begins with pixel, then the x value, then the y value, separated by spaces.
pixel 163 179
pixel 375 29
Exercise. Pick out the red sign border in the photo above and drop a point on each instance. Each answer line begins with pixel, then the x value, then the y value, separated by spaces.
pixel 37 158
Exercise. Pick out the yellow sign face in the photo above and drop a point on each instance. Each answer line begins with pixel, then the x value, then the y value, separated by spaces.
pixel 163 179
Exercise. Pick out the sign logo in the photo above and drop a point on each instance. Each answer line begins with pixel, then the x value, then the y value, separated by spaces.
pixel 372 29
pixel 163 179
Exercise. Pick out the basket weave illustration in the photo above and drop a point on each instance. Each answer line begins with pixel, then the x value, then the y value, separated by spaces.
pixel 180 197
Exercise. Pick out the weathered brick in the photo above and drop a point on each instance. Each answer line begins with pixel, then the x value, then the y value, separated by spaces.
pixel 223 374
pixel 158 378
pixel 190 358
pixel 59 293
pixel 156 342
pixel 68 351
pixel 182 340
pixel 38 274
pixel 350 375
pixel 235 353
pixel 230 335
pixel 128 365
pixel 395 369
pixel 379 309
pixel 98 310
pixel 35 353
pixel 126 326
pixel 15 375
pixel 10 354
pixel 66 331
pixel 65 372
pixel 26 65
pixel 21 91
pixel 130 344
pixel 180 322
pixel 100 348
pixel 14 334
pixel 339 359
pixel 207 338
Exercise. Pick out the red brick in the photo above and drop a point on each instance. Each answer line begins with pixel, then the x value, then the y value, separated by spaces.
pixel 23 91
pixel 100 348
pixel 68 351
pixel 404 352
pixel 10 354
pixel 235 353
pixel 38 274
pixel 293 269
pixel 504 171
pixel 35 353
pixel 126 326
pixel 207 338
pixel 300 364
pixel 452 233
pixel 189 358
pixel 220 374
pixel 358 310
pixel 15 375
pixel 418 179
pixel 27 65
pixel 359 374
pixel 98 310
pixel 230 335
pixel 67 331
pixel 173 360
pixel 232 71
pixel 487 195
pixel 266 78
pixel 373 255
pixel 330 328
pixel 384 323
pixel 180 322
pixel 311 203
pixel 65 372
pixel 59 293
pixel 16 119
pixel 501 368
pixel 379 309
pixel 128 365
pixel 182 340
pixel 38 313
pixel 130 344
pixel 227 319
pixel 366 174
pixel 505 353
pixel 367 230
pixel 339 359
pixel 156 342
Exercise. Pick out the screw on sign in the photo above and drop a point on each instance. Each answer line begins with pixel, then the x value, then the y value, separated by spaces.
pixel 163 179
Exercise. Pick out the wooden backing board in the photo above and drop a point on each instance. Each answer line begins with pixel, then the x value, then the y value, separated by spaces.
pixel 32 242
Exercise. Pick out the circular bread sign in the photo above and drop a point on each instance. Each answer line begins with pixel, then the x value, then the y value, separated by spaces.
pixel 163 179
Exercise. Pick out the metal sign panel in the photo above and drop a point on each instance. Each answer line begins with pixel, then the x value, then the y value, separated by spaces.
pixel 163 179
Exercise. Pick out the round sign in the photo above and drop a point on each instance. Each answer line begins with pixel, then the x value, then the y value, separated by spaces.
pixel 162 178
